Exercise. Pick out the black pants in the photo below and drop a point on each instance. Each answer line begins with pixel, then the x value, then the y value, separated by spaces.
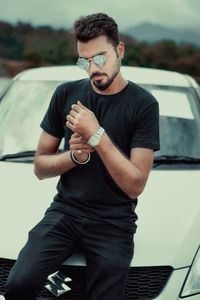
pixel 108 251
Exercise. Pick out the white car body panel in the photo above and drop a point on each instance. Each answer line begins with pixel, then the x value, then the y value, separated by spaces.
pixel 172 289
pixel 164 237
pixel 4 82
pixel 139 75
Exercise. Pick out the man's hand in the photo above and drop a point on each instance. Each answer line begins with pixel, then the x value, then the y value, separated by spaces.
pixel 82 121
pixel 79 143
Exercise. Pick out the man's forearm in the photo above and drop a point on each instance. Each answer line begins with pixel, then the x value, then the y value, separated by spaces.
pixel 124 172
pixel 46 166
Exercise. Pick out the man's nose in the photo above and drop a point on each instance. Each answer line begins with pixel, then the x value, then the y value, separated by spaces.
pixel 93 68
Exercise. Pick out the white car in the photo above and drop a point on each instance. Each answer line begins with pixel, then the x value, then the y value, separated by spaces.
pixel 4 82
pixel 166 262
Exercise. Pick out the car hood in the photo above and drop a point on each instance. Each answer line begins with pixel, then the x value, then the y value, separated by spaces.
pixel 168 214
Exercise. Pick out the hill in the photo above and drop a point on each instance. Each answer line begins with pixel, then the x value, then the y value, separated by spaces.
pixel 152 33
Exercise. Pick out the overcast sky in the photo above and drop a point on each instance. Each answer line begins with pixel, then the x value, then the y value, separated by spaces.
pixel 62 13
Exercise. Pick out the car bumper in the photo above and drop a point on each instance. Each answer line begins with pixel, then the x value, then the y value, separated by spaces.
pixel 172 289
pixel 159 283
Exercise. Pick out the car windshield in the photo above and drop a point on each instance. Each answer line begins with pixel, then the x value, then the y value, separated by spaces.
pixel 21 111
pixel 25 103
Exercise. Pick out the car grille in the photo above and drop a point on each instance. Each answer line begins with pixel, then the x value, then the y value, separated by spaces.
pixel 143 282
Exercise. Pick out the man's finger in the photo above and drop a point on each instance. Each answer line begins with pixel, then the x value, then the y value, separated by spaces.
pixel 77 140
pixel 76 108
pixel 73 113
pixel 70 126
pixel 75 135
pixel 80 146
pixel 82 106
pixel 71 119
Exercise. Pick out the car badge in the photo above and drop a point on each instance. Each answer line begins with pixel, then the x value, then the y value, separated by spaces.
pixel 58 283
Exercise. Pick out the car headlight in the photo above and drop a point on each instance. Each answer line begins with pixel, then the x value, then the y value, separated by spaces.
pixel 192 283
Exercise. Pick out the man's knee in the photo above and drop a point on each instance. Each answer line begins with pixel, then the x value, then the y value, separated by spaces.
pixel 116 266
pixel 113 265
pixel 106 279
pixel 21 286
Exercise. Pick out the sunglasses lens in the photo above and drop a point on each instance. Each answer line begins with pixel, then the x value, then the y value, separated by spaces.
pixel 99 60
pixel 83 64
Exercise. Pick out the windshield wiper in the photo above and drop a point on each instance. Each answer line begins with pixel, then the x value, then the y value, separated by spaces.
pixel 175 159
pixel 25 156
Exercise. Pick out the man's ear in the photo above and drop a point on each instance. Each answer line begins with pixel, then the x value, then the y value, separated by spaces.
pixel 120 50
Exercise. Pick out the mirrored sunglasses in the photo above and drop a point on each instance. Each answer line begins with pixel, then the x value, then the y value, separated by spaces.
pixel 98 60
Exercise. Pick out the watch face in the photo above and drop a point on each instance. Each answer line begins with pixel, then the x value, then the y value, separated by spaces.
pixel 93 141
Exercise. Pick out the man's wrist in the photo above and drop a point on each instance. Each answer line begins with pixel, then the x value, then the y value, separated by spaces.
pixel 76 162
pixel 95 139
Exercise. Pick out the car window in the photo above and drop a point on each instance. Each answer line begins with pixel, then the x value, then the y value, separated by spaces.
pixel 21 111
pixel 179 121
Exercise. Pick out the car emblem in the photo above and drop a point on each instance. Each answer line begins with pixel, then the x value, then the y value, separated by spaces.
pixel 58 283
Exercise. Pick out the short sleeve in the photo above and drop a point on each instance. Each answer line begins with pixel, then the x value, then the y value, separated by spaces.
pixel 52 122
pixel 146 129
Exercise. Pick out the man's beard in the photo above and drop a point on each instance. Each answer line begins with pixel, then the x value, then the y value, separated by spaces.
pixel 99 84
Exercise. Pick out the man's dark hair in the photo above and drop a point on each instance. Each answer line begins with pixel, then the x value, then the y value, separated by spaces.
pixel 95 25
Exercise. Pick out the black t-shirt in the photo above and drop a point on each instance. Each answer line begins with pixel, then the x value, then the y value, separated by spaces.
pixel 131 119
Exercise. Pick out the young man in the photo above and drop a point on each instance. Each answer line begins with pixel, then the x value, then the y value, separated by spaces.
pixel 110 127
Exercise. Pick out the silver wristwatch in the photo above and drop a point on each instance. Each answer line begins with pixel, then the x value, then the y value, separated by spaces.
pixel 94 140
